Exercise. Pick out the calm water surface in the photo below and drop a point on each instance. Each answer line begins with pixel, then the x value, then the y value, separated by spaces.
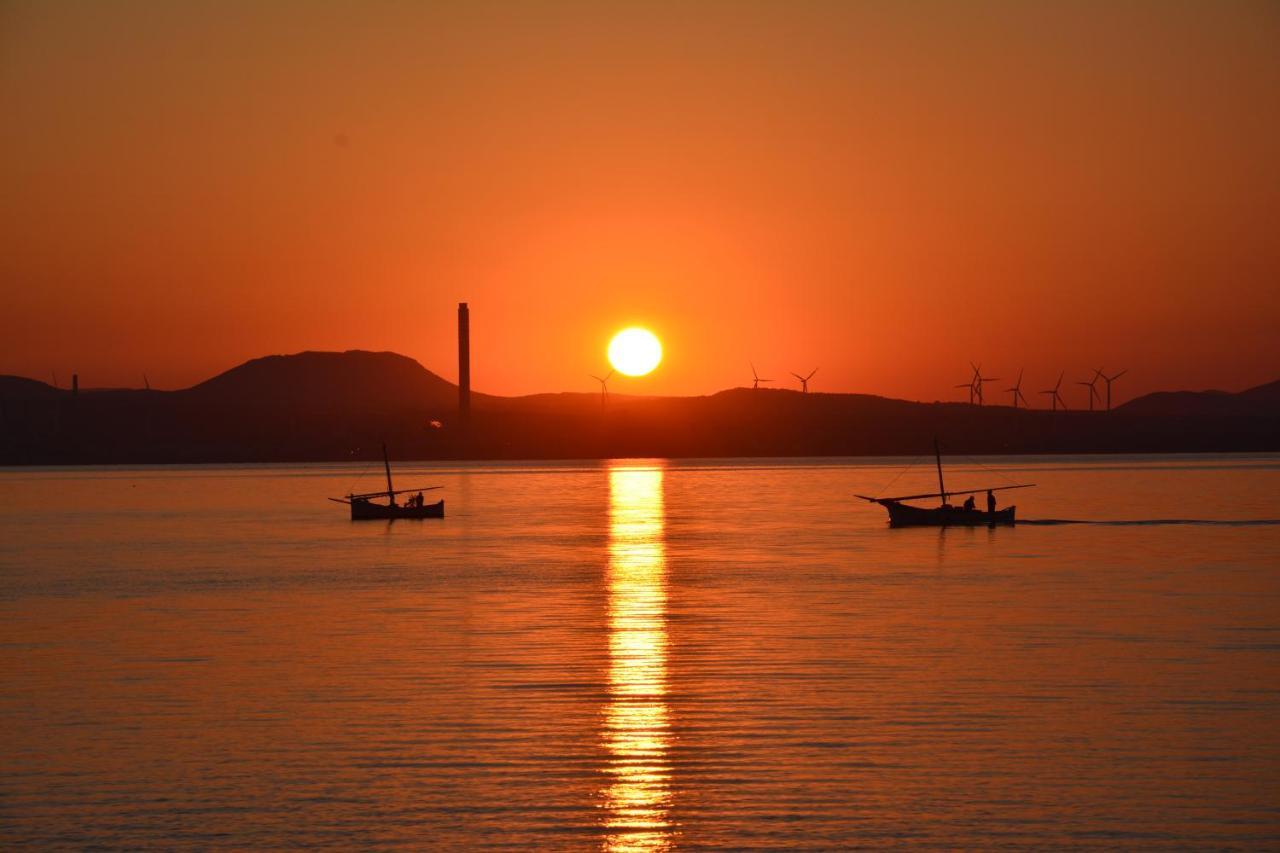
pixel 641 655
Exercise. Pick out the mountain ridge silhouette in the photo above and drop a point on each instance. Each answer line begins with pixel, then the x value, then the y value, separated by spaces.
pixel 324 406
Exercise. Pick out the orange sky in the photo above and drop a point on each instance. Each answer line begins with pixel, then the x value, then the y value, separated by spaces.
pixel 884 191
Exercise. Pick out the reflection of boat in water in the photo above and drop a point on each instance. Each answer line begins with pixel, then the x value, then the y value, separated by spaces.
pixel 363 507
pixel 946 515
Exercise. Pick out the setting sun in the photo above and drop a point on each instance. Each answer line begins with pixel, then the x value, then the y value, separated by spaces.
pixel 635 351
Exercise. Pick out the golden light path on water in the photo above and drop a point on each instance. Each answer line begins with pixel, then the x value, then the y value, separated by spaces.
pixel 636 720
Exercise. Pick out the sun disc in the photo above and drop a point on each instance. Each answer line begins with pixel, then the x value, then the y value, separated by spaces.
pixel 635 351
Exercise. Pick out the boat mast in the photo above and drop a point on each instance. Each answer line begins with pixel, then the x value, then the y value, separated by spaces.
pixel 391 495
pixel 937 455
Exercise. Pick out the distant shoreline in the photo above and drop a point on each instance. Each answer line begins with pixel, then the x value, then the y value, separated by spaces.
pixel 696 462
pixel 335 407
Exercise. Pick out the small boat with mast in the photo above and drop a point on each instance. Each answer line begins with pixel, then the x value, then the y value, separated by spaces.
pixel 363 507
pixel 946 515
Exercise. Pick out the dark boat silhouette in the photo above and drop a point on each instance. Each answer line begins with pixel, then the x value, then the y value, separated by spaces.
pixel 946 515
pixel 363 507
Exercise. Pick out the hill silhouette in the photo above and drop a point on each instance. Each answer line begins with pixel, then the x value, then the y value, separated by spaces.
pixel 317 406
pixel 355 379
pixel 21 388
pixel 1263 401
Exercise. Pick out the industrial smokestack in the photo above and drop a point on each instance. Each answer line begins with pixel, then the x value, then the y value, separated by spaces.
pixel 464 361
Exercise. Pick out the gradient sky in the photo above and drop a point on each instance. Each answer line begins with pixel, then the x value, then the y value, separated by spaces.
pixel 885 190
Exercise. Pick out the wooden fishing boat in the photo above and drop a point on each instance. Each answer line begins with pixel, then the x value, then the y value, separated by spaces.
pixel 906 515
pixel 945 515
pixel 364 508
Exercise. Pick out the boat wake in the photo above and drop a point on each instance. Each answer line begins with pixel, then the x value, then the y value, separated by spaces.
pixel 1146 522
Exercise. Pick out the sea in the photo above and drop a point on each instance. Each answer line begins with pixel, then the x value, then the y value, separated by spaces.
pixel 642 654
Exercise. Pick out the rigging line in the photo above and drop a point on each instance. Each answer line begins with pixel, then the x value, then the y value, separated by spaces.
pixel 998 473
pixel 898 475
pixel 367 465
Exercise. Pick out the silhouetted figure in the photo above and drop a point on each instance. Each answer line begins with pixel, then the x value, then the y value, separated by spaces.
pixel 991 503
pixel 970 503
pixel 417 500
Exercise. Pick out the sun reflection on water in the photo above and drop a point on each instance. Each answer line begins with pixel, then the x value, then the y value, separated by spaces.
pixel 637 724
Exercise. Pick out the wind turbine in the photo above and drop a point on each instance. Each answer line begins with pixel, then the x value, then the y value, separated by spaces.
pixel 755 377
pixel 604 386
pixel 1056 398
pixel 1016 390
pixel 145 382
pixel 804 380
pixel 1109 380
pixel 1091 385
pixel 969 385
pixel 978 379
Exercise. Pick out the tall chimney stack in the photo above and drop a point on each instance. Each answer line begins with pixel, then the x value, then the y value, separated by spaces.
pixel 464 362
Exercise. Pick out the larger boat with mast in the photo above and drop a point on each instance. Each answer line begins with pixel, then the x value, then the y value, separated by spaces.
pixel 946 515
pixel 363 507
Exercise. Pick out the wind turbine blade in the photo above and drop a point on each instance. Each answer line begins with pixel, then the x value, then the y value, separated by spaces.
pixel 1118 375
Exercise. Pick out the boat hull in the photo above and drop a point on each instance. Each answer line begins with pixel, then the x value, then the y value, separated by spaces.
pixel 905 515
pixel 370 511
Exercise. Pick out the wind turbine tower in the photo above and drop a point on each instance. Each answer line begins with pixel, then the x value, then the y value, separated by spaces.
pixel 1054 397
pixel 1016 391
pixel 978 379
pixel 755 378
pixel 1109 380
pixel 804 380
pixel 1092 386
pixel 604 386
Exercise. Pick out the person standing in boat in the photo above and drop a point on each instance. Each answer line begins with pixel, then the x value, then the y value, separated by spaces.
pixel 991 502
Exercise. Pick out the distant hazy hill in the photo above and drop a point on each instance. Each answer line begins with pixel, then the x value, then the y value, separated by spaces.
pixel 308 406
pixel 21 388
pixel 316 406
pixel 1263 401
pixel 354 380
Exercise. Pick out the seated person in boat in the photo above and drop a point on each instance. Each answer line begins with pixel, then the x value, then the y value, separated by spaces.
pixel 970 503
